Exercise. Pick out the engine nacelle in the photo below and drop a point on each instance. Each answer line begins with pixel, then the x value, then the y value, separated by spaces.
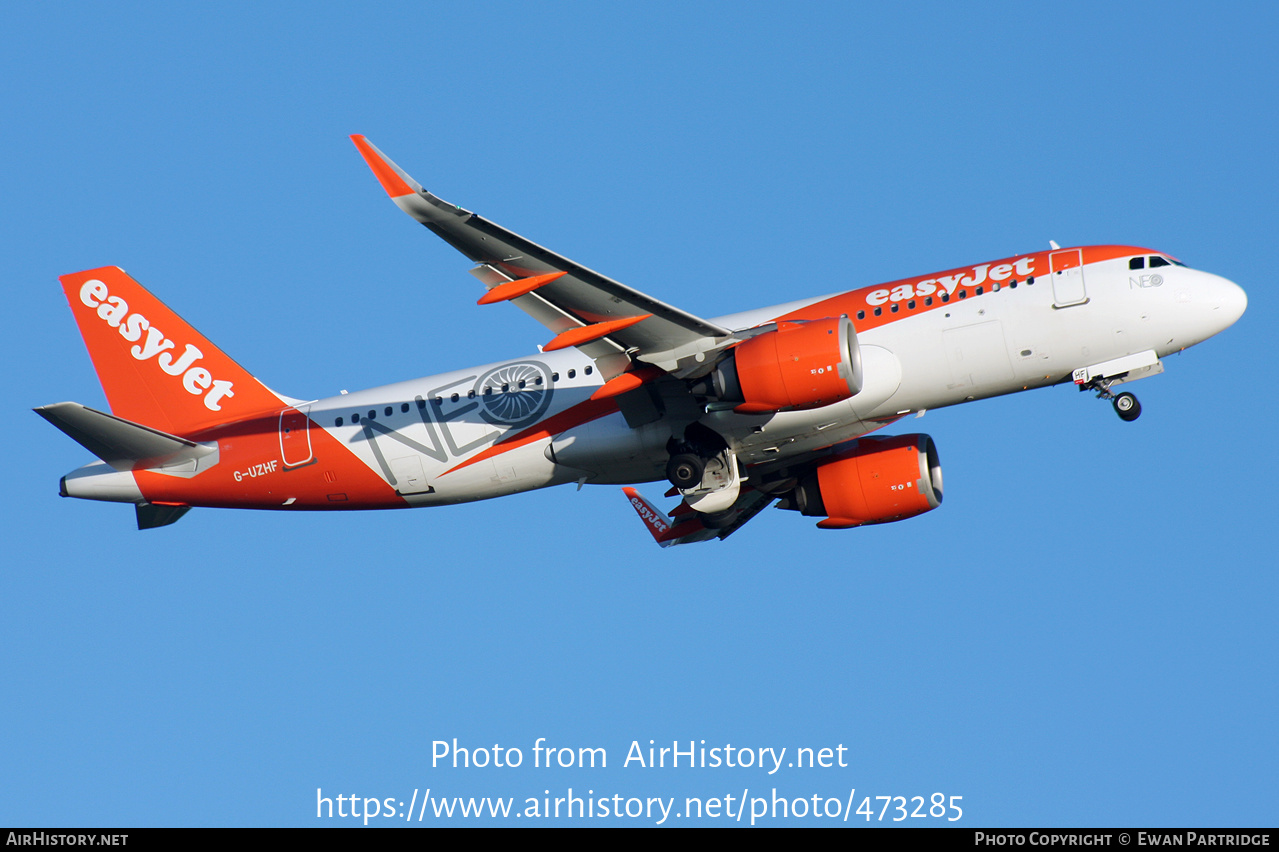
pixel 801 365
pixel 880 480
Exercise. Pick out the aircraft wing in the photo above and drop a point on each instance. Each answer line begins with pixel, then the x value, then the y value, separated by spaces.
pixel 607 320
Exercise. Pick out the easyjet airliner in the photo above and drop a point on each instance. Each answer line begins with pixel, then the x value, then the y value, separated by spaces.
pixel 775 405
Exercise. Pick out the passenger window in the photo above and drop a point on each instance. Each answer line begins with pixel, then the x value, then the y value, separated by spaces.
pixel 879 312
pixel 388 411
pixel 893 309
pixel 453 398
pixel 572 373
pixel 337 422
pixel 861 315
pixel 589 370
pixel 404 407
pixel 372 414
pixel 1137 263
pixel 355 417
pixel 979 291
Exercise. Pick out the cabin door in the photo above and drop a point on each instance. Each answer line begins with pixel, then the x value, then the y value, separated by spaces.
pixel 295 436
pixel 1067 269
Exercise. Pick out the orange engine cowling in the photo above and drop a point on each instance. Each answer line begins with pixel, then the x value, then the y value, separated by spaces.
pixel 880 480
pixel 800 365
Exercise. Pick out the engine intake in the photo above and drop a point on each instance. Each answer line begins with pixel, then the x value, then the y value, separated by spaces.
pixel 879 480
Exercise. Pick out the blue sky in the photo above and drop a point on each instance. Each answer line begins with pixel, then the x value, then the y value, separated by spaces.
pixel 1083 634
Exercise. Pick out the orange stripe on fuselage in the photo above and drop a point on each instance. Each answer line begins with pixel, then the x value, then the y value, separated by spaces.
pixel 952 282
pixel 250 473
pixel 576 415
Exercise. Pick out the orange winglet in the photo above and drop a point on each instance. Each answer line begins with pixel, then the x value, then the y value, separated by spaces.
pixel 382 170
pixel 594 331
pixel 519 287
pixel 628 381
pixel 663 529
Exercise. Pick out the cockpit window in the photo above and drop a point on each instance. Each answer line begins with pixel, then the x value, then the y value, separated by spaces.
pixel 1158 261
pixel 1137 263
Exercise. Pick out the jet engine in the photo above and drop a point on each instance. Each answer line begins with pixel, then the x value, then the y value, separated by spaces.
pixel 879 480
pixel 801 365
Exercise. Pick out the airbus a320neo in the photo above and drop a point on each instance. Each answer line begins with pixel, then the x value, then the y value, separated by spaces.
pixel 773 405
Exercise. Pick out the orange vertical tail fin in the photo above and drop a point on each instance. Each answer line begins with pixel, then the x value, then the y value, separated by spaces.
pixel 154 367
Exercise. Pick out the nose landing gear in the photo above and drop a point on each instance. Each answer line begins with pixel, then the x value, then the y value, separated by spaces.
pixel 1101 377
pixel 1126 405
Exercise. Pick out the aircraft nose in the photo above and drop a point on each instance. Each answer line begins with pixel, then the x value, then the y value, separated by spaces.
pixel 1230 302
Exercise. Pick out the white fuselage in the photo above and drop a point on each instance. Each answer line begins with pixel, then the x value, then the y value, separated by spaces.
pixel 434 438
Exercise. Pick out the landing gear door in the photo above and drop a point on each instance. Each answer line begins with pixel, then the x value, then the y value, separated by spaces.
pixel 295 437
pixel 1067 269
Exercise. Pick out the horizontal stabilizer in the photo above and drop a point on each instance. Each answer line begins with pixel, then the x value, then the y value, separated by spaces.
pixel 121 443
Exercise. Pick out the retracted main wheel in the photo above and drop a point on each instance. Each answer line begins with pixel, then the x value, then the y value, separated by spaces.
pixel 684 470
pixel 1127 407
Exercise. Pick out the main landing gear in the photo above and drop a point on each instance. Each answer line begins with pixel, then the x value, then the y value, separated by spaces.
pixel 1126 405
pixel 685 470
pixel 704 470
pixel 690 456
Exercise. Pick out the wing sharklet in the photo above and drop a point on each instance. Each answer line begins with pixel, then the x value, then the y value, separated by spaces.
pixel 394 180
pixel 664 531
